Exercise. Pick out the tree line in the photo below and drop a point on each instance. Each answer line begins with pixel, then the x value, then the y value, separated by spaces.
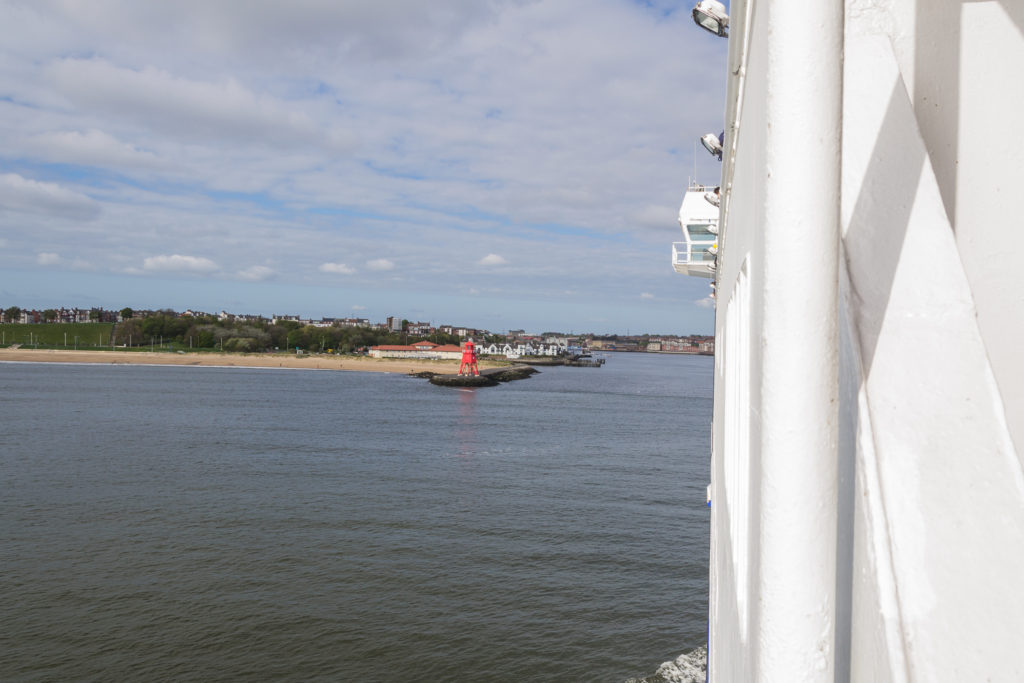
pixel 209 332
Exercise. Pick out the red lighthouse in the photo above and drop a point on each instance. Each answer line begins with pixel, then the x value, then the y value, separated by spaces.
pixel 468 365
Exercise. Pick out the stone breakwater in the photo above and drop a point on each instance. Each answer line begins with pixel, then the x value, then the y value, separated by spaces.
pixel 487 378
pixel 572 361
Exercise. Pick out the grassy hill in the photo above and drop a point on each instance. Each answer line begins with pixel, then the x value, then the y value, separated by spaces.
pixel 57 335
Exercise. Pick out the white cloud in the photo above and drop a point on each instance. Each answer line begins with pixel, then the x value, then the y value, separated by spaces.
pixel 256 273
pixel 48 258
pixel 380 264
pixel 492 260
pixel 646 295
pixel 179 263
pixel 26 195
pixel 339 268
pixel 706 302
pixel 93 147
pixel 357 307
pixel 189 109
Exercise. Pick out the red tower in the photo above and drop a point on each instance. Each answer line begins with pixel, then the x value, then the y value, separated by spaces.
pixel 468 365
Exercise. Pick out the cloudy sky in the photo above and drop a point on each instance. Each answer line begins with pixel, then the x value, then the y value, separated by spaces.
pixel 492 163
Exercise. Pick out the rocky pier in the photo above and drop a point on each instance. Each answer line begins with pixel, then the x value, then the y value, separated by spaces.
pixel 487 378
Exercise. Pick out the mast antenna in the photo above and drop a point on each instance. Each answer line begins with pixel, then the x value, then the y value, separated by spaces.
pixel 694 162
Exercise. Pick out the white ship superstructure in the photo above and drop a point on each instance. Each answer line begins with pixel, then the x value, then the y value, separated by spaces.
pixel 698 217
pixel 867 483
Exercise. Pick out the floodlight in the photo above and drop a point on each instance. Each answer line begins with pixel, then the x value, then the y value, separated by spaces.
pixel 713 143
pixel 710 15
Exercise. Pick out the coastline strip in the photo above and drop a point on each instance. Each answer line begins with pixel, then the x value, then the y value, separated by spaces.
pixel 227 360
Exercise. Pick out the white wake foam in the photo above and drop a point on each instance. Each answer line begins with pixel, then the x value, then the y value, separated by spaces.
pixel 691 667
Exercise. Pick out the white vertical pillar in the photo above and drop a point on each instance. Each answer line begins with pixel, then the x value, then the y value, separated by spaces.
pixel 794 611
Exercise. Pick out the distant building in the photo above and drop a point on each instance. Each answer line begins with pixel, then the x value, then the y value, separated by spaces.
pixel 420 328
pixel 188 314
pixel 421 350
pixel 461 332
pixel 68 315
pixel 696 345
pixel 519 350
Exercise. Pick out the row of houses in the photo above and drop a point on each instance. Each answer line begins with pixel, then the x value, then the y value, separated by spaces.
pixel 324 322
pixel 430 351
pixel 391 324
pixel 64 315
pixel 420 350
pixel 102 315
pixel 394 324
pixel 701 345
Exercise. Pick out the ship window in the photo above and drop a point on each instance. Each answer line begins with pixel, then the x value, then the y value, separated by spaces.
pixel 699 232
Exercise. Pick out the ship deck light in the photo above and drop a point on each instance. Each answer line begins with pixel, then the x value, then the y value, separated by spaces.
pixel 711 16
pixel 713 143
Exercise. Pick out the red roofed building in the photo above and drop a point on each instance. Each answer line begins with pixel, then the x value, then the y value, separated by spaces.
pixel 423 350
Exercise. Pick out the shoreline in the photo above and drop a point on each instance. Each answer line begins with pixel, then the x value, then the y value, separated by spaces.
pixel 231 360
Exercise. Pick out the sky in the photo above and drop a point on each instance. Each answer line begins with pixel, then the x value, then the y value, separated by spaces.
pixel 503 164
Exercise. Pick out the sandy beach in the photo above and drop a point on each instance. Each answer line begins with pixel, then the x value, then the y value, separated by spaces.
pixel 253 360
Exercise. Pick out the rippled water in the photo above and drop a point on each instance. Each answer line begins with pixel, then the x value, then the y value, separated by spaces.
pixel 211 524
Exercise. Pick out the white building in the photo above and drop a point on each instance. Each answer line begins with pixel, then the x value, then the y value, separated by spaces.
pixel 517 350
pixel 420 350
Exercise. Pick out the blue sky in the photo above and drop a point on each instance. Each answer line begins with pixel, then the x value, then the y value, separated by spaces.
pixel 502 164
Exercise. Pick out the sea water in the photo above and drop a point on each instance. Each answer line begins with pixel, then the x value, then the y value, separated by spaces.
pixel 182 523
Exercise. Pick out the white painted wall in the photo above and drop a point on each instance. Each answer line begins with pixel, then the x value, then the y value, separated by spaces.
pixel 961 62
pixel 931 434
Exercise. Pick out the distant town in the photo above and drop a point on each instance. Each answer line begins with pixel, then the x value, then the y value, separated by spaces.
pixel 256 333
